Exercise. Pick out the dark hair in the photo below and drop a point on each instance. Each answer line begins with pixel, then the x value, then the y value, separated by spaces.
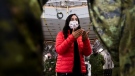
pixel 66 27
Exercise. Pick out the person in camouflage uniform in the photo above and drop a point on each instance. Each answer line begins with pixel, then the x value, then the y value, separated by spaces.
pixel 97 61
pixel 49 66
pixel 113 22
pixel 21 38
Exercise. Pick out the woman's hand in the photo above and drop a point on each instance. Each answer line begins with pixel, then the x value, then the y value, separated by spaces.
pixel 85 35
pixel 77 33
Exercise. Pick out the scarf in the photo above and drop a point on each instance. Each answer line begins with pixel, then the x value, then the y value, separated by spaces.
pixel 77 66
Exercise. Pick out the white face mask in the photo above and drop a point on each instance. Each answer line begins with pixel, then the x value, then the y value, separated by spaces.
pixel 73 24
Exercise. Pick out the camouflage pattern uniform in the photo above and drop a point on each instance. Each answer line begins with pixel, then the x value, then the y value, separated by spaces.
pixel 97 62
pixel 127 46
pixel 49 67
pixel 21 38
pixel 113 21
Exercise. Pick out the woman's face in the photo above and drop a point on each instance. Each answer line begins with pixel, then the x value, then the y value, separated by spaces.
pixel 73 24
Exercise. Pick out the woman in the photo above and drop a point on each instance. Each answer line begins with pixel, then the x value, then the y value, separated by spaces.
pixel 71 45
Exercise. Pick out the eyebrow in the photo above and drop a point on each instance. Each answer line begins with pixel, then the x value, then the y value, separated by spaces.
pixel 74 18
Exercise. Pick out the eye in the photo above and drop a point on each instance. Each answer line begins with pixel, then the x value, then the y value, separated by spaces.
pixel 72 19
pixel 76 19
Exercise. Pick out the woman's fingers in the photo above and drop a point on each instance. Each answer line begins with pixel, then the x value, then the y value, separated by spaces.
pixel 78 32
pixel 73 29
pixel 88 32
